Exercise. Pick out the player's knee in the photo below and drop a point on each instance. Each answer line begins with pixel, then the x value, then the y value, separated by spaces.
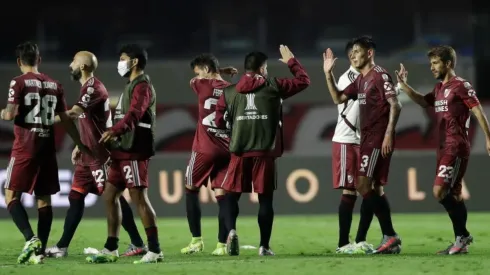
pixel 191 188
pixel 219 192
pixel 43 201
pixel 363 185
pixel 349 192
pixel 439 192
pixel 11 196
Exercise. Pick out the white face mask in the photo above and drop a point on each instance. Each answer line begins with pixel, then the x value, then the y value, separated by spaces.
pixel 122 68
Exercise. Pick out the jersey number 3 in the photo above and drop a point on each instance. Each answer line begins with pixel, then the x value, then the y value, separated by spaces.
pixel 209 119
pixel 42 109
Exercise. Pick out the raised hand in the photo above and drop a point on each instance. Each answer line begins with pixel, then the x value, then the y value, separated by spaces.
pixel 286 54
pixel 231 71
pixel 402 75
pixel 328 61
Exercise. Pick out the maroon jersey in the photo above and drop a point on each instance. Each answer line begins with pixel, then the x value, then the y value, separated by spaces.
pixel 209 139
pixel 452 102
pixel 39 98
pixel 373 91
pixel 95 119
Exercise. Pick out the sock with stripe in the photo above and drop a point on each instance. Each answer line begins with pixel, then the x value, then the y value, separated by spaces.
pixel 44 222
pixel 222 234
pixel 193 209
pixel 19 216
pixel 129 224
pixel 346 207
pixel 367 215
pixel 73 217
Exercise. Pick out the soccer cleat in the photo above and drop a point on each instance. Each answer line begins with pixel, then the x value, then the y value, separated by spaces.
pixel 135 251
pixel 104 256
pixel 56 252
pixel 220 250
pixel 461 244
pixel 387 245
pixel 346 249
pixel 363 248
pixel 150 258
pixel 265 251
pixel 30 248
pixel 35 259
pixel 195 246
pixel 232 244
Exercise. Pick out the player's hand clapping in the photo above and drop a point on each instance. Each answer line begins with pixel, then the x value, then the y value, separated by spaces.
pixel 328 61
pixel 286 54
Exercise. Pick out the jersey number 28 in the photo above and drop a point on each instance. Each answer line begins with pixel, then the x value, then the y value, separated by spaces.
pixel 209 119
pixel 42 109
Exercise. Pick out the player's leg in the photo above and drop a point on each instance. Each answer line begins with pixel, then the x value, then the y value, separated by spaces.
pixel 264 178
pixel 112 192
pixel 82 182
pixel 137 183
pixel 137 246
pixel 197 175
pixel 217 177
pixel 344 163
pixel 237 180
pixel 447 189
pixel 20 178
pixel 373 165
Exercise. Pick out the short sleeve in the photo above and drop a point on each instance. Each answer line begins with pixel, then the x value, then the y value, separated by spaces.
pixel 15 92
pixel 61 102
pixel 468 94
pixel 89 97
pixel 385 84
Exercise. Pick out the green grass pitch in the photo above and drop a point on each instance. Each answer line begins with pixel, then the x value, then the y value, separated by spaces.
pixel 304 245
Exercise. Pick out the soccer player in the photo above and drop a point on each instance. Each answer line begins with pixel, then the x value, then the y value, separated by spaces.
pixel 379 112
pixel 452 99
pixel 210 156
pixel 33 101
pixel 345 161
pixel 254 114
pixel 94 117
pixel 134 131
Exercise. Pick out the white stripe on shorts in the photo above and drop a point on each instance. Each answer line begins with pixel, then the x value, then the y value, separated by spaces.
pixel 136 172
pixel 9 172
pixel 343 164
pixel 455 172
pixel 190 167
pixel 373 159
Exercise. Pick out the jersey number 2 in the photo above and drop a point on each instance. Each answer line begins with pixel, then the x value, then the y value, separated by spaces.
pixel 209 119
pixel 43 110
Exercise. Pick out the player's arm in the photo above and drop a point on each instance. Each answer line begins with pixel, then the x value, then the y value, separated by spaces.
pixel 291 86
pixel 73 113
pixel 479 113
pixel 14 99
pixel 140 102
pixel 220 111
pixel 339 96
pixel 9 112
pixel 470 99
pixel 422 100
pixel 395 110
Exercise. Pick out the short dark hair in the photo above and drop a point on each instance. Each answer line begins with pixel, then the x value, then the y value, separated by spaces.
pixel 28 53
pixel 135 51
pixel 206 59
pixel 254 60
pixel 366 42
pixel 445 53
pixel 349 46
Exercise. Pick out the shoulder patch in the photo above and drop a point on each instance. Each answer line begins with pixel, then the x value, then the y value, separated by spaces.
pixel 90 90
pixel 12 83
pixel 91 82
pixel 467 85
